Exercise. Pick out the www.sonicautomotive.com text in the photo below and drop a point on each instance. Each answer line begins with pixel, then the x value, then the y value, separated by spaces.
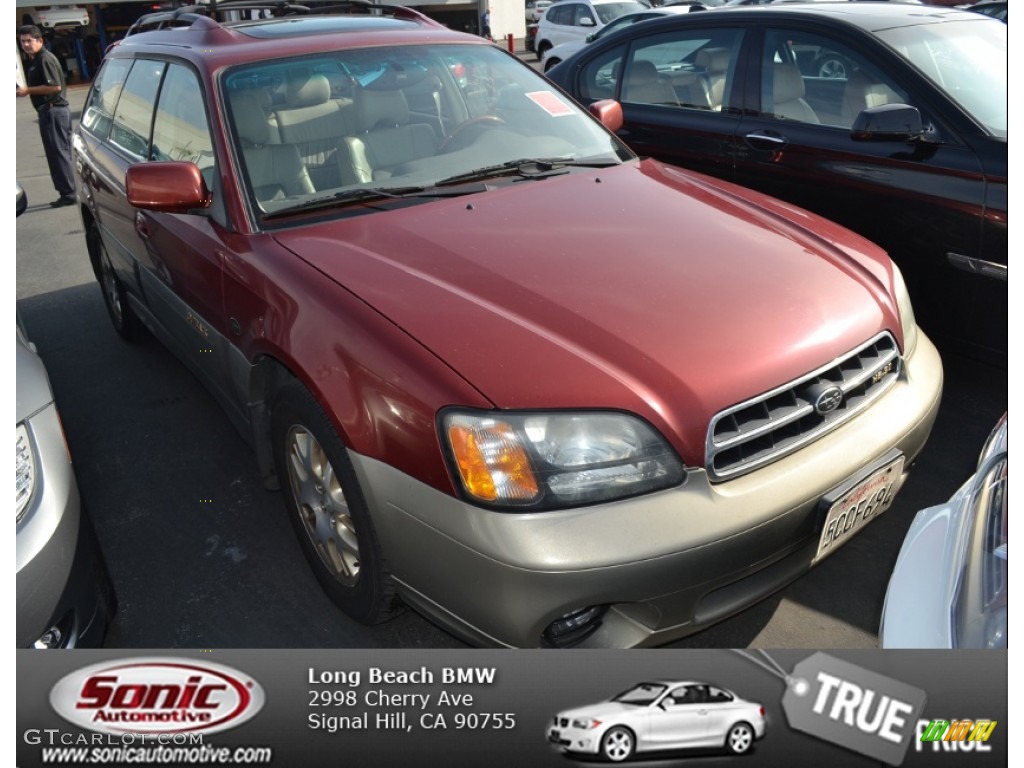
pixel 62 747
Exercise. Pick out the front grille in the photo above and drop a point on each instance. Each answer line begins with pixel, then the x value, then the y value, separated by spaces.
pixel 777 423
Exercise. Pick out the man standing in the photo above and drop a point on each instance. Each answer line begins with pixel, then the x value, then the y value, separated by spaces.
pixel 48 91
pixel 485 23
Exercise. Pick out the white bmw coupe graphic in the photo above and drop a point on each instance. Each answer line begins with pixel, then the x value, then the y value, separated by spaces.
pixel 660 715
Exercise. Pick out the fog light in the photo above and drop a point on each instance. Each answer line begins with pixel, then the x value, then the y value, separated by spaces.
pixel 574 626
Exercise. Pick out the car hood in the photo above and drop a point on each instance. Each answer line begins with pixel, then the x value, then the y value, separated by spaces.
pixel 640 287
pixel 603 710
pixel 33 384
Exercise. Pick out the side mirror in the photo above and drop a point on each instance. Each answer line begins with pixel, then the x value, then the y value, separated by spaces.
pixel 22 199
pixel 172 187
pixel 586 21
pixel 889 122
pixel 608 112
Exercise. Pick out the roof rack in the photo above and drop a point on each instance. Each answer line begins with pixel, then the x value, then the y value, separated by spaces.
pixel 187 15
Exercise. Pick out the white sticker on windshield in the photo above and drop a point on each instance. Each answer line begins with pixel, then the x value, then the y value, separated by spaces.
pixel 550 103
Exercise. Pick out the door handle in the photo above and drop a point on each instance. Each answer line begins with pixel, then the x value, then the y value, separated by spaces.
pixel 766 140
pixel 142 225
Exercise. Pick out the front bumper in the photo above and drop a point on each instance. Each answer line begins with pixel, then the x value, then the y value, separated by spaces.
pixel 62 580
pixel 666 565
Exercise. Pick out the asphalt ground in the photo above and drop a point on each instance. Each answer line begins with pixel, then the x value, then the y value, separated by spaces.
pixel 201 556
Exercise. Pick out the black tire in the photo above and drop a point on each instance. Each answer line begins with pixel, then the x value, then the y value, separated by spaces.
pixel 115 298
pixel 551 63
pixel 327 508
pixel 739 739
pixel 618 744
pixel 542 49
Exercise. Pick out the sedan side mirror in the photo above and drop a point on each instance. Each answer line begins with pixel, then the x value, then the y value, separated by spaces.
pixel 609 112
pixel 171 187
pixel 889 122
pixel 22 199
pixel 586 21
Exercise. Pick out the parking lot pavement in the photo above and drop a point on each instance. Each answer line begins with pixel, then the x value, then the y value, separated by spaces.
pixel 201 556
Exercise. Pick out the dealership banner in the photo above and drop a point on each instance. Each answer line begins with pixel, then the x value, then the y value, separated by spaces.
pixel 450 708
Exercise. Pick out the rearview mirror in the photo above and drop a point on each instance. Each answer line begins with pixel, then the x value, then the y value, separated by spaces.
pixel 609 112
pixel 172 187
pixel 889 122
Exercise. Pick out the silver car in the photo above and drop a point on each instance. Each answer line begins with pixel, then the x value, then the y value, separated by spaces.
pixel 65 599
pixel 660 715
pixel 949 586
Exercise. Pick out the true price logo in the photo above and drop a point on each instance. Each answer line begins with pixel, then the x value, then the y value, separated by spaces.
pixel 853 707
pixel 152 696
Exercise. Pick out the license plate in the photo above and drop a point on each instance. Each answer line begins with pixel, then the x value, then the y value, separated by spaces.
pixel 858 506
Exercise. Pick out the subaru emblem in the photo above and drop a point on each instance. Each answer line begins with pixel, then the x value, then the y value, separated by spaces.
pixel 828 400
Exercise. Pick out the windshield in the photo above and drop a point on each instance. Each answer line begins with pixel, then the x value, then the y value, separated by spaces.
pixel 339 126
pixel 610 11
pixel 641 695
pixel 966 59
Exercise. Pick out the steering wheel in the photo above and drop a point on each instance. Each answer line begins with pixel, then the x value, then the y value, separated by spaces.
pixel 460 130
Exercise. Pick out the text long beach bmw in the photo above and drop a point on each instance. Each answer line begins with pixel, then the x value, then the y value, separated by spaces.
pixel 664 400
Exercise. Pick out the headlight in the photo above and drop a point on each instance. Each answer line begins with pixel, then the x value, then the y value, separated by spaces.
pixel 25 469
pixel 585 723
pixel 555 460
pixel 907 319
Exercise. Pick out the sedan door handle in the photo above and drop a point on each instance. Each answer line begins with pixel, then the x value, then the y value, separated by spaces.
pixel 141 225
pixel 766 140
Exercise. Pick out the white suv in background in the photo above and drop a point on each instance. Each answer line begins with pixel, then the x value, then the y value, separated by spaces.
pixel 575 19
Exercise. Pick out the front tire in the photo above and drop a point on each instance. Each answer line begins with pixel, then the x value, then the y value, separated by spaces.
pixel 740 739
pixel 618 744
pixel 327 508
pixel 115 297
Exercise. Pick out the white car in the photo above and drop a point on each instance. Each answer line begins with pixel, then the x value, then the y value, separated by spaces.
pixel 563 51
pixel 535 9
pixel 60 17
pixel 575 19
pixel 660 715
pixel 949 586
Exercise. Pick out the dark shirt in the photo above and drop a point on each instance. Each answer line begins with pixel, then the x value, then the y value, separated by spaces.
pixel 44 69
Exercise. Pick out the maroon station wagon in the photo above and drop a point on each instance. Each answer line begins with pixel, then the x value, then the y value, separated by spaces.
pixel 659 401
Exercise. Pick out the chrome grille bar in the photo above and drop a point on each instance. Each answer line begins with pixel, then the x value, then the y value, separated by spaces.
pixel 767 427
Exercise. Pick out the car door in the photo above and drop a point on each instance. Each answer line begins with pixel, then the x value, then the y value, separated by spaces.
pixel 920 200
pixel 677 90
pixel 678 720
pixel 181 255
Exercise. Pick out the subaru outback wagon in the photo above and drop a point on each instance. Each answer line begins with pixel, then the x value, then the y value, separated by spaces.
pixel 663 400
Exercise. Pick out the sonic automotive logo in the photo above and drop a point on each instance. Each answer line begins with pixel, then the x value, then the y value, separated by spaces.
pixel 155 696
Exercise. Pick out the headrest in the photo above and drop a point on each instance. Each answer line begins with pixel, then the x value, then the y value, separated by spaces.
pixel 250 117
pixel 714 61
pixel 384 108
pixel 308 92
pixel 643 72
pixel 789 84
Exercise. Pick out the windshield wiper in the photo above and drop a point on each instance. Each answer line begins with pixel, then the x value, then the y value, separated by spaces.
pixel 369 194
pixel 526 168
